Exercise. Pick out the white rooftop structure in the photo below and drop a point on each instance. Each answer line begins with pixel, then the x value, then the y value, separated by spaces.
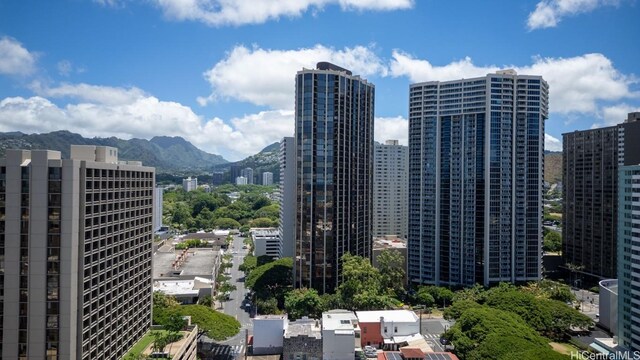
pixel 388 315
pixel 182 287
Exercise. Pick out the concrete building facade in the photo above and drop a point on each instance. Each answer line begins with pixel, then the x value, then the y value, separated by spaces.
pixel 189 184
pixel 158 194
pixel 334 114
pixel 387 328
pixel 248 174
pixel 340 335
pixel 287 227
pixel 75 241
pixel 629 257
pixel 476 154
pixel 266 241
pixel 268 333
pixel 267 178
pixel 303 340
pixel 590 169
pixel 241 180
pixel 390 184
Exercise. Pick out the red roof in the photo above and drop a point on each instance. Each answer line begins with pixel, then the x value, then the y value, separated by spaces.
pixel 412 353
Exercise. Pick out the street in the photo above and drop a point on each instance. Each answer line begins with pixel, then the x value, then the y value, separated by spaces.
pixel 235 347
pixel 432 330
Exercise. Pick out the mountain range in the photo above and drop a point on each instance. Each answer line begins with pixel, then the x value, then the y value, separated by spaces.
pixel 176 155
pixel 165 153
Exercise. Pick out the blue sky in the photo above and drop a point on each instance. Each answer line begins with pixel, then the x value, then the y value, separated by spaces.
pixel 220 73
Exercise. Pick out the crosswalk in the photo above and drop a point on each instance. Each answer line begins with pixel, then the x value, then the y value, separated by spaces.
pixel 432 336
pixel 227 350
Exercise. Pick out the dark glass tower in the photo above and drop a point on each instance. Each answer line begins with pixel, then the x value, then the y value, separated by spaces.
pixel 476 150
pixel 334 115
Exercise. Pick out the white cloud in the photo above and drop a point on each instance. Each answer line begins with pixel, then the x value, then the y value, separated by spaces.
pixel 241 12
pixel 391 128
pixel 551 143
pixel 272 79
pixel 92 93
pixel 549 13
pixel 576 84
pixel 15 59
pixel 110 3
pixel 126 113
pixel 615 114
pixel 66 68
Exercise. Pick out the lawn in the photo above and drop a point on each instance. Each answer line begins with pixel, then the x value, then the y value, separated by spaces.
pixel 139 347
pixel 564 348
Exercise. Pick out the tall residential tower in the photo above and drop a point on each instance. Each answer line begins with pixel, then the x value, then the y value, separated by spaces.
pixel 476 150
pixel 75 242
pixel 390 181
pixel 590 195
pixel 334 114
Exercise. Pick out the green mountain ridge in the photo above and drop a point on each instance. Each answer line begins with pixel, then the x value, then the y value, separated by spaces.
pixel 165 153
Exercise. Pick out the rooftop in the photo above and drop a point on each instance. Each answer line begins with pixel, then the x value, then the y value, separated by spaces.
pixel 194 262
pixel 339 320
pixel 181 287
pixel 389 241
pixel 303 327
pixel 388 315
pixel 264 232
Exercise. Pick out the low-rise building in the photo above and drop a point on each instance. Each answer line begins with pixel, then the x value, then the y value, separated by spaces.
pixel 241 180
pixel 266 242
pixel 388 329
pixel 184 349
pixel 302 340
pixel 268 331
pixel 340 335
pixel 185 291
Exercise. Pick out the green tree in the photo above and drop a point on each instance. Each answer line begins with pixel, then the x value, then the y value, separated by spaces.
pixel 181 214
pixel 479 324
pixel 272 280
pixel 164 301
pixel 303 302
pixel 391 269
pixel 441 295
pixel 552 242
pixel 423 297
pixel 226 223
pixel 550 318
pixel 270 211
pixel 267 306
pixel 361 287
pixel 216 325
pixel 262 223
pixel 206 301
pixel 249 263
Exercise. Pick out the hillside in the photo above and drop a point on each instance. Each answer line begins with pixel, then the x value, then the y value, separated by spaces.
pixel 553 167
pixel 265 160
pixel 167 154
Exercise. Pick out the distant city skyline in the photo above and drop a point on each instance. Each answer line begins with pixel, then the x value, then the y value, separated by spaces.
pixel 178 68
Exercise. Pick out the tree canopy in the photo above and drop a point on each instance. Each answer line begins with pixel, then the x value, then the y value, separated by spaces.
pixel 272 280
pixel 391 267
pixel 361 287
pixel 214 324
pixel 304 302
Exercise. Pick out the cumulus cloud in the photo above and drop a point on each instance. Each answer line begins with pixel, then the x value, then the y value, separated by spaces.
pixel 241 12
pixel 551 143
pixel 274 83
pixel 127 113
pixel 576 84
pixel 391 128
pixel 15 59
pixel 615 114
pixel 549 13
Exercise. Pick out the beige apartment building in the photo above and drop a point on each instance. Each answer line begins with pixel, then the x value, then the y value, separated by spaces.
pixel 75 254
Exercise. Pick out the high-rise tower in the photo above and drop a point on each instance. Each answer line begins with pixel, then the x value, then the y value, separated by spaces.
pixel 390 182
pixel 75 241
pixel 334 114
pixel 476 150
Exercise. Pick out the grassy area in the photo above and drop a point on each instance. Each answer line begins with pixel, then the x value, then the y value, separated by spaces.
pixel 564 348
pixel 139 347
